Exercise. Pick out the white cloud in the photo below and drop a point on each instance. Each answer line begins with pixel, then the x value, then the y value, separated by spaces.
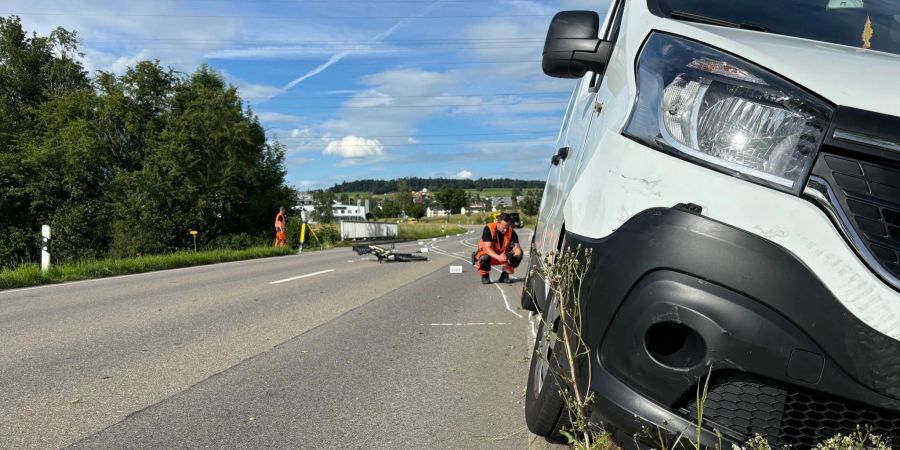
pixel 269 116
pixel 395 102
pixel 354 147
pixel 464 174
pixel 298 133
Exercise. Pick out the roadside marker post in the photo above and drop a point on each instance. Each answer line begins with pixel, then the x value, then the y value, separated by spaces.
pixel 45 248
pixel 194 234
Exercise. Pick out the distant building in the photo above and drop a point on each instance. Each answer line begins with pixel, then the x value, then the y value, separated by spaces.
pixel 354 213
pixel 474 207
pixel 432 212
pixel 340 211
pixel 421 196
pixel 305 198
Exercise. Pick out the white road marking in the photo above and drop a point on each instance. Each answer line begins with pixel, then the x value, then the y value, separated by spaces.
pixel 533 331
pixel 142 274
pixel 505 301
pixel 469 324
pixel 301 276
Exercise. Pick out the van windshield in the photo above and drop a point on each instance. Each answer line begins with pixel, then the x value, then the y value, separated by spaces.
pixel 872 24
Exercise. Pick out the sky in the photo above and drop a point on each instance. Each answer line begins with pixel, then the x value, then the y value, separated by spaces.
pixel 355 89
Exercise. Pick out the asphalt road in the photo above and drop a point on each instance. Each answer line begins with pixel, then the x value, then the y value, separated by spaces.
pixel 320 350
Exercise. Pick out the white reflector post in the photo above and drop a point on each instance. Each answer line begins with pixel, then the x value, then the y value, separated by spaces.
pixel 45 248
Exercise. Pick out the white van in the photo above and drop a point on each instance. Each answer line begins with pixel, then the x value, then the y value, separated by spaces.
pixel 735 168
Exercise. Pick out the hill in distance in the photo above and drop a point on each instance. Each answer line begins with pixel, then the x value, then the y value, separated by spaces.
pixel 380 187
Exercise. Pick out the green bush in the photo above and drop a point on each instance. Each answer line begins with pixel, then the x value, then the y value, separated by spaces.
pixel 328 235
pixel 80 231
pixel 18 246
pixel 238 241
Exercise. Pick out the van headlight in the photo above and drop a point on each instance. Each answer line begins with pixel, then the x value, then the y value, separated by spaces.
pixel 709 107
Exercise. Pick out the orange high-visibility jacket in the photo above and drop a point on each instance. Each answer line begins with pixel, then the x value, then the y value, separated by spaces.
pixel 279 220
pixel 496 245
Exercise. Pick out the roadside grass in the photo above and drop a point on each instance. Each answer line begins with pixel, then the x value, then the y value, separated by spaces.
pixel 426 230
pixel 31 274
pixel 476 219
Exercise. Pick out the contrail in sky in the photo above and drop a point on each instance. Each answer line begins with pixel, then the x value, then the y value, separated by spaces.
pixel 341 55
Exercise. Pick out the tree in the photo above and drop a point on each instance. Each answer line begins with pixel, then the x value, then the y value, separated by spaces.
pixel 390 209
pixel 126 163
pixel 404 196
pixel 417 211
pixel 530 203
pixel 323 212
pixel 45 102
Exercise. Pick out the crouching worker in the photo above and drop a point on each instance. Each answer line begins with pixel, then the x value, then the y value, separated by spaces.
pixel 499 246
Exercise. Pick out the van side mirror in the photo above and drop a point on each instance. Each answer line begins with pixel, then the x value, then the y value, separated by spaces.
pixel 572 47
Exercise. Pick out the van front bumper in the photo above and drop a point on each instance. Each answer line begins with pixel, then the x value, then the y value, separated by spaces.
pixel 673 295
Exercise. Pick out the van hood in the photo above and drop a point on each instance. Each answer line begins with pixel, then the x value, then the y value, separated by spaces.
pixel 846 76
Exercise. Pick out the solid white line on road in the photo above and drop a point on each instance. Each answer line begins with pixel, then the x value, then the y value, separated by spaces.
pixel 301 276
pixel 467 324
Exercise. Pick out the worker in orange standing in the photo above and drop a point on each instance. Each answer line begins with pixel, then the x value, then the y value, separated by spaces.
pixel 499 246
pixel 280 237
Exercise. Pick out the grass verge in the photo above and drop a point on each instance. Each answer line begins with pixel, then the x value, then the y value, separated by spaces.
pixel 426 230
pixel 31 275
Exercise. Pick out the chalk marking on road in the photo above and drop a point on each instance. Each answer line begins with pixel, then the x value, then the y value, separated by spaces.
pixel 302 276
pixel 468 324
pixel 505 301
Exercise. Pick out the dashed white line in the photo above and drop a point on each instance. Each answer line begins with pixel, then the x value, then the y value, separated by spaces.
pixel 302 276
pixel 468 324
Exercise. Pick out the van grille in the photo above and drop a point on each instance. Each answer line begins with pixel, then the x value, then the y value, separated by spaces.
pixel 787 415
pixel 870 197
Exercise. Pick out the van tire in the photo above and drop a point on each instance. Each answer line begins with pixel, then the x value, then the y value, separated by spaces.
pixel 545 409
pixel 528 292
